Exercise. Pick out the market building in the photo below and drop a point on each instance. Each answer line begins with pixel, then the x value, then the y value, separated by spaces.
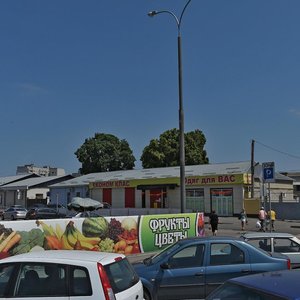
pixel 223 187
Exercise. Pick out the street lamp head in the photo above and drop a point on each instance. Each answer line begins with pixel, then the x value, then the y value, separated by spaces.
pixel 152 13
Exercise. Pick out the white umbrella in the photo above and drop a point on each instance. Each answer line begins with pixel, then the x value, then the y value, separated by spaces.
pixel 79 203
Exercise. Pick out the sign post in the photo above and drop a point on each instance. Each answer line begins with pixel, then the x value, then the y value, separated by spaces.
pixel 268 177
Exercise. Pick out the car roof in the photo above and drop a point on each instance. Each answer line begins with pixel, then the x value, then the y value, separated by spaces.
pixel 65 256
pixel 283 283
pixel 267 234
pixel 211 238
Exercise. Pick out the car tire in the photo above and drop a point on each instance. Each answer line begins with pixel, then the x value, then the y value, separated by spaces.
pixel 2 218
pixel 12 218
pixel 146 295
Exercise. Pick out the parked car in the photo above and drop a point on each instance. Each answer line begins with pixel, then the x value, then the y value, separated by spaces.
pixel 284 243
pixel 14 213
pixel 62 210
pixel 279 285
pixel 192 268
pixel 59 274
pixel 42 213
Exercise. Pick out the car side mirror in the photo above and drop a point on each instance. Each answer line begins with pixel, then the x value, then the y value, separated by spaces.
pixel 165 266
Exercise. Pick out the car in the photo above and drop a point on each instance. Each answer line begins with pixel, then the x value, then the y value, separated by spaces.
pixel 193 267
pixel 278 285
pixel 61 209
pixel 42 213
pixel 87 214
pixel 69 274
pixel 284 243
pixel 14 213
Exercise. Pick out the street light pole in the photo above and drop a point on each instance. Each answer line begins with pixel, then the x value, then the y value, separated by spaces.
pixel 181 112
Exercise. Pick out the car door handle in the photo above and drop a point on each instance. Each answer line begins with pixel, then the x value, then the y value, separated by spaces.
pixel 199 274
pixel 245 271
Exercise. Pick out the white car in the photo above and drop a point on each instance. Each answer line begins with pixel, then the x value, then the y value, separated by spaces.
pixel 284 243
pixel 69 274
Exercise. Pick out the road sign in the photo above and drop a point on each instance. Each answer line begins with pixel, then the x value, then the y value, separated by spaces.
pixel 268 171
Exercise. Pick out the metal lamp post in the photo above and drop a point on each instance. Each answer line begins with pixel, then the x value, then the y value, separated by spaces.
pixel 181 112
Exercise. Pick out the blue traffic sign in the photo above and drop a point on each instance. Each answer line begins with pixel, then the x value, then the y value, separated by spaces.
pixel 268 172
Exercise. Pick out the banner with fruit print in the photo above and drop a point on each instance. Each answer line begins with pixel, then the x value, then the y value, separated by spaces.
pixel 127 234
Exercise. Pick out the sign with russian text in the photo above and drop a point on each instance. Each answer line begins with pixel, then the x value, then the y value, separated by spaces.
pixel 126 234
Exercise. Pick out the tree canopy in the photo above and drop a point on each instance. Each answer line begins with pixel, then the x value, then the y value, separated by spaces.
pixel 164 152
pixel 104 152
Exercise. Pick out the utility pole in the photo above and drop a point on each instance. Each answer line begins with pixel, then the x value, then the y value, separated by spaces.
pixel 252 168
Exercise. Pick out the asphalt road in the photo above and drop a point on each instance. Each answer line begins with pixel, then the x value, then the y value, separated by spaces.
pixel 231 226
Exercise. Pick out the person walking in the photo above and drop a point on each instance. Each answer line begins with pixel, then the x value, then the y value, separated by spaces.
pixel 214 221
pixel 262 216
pixel 243 218
pixel 272 218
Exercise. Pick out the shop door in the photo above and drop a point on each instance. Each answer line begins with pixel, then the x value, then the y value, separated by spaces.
pixel 129 197
pixel 156 198
pixel 222 201
pixel 107 196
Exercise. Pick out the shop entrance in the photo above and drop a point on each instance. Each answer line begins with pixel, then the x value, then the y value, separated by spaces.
pixel 222 201
pixel 157 198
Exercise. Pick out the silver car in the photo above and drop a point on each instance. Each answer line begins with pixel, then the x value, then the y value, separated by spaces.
pixel 284 243
pixel 14 213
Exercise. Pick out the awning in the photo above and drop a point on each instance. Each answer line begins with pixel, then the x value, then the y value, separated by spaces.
pixel 171 186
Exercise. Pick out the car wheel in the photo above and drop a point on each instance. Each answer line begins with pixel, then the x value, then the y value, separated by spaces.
pixel 146 295
pixel 12 217
pixel 2 218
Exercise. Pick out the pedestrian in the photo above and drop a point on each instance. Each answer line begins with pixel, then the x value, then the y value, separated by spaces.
pixel 262 216
pixel 243 218
pixel 214 221
pixel 272 218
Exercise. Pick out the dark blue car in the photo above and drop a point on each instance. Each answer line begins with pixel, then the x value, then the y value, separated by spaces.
pixel 192 268
pixel 278 285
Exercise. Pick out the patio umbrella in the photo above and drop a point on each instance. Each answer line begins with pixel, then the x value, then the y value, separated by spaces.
pixel 84 204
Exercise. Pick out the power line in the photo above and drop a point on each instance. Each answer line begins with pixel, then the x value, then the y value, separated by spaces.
pixel 276 150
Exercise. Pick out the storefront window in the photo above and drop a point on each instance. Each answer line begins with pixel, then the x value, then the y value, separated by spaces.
pixel 195 199
pixel 158 198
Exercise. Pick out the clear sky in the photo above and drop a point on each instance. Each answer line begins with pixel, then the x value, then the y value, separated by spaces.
pixel 72 68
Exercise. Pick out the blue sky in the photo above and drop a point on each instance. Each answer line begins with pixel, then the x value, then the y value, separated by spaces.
pixel 70 69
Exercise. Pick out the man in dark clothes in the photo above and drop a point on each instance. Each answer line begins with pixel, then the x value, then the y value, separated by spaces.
pixel 214 221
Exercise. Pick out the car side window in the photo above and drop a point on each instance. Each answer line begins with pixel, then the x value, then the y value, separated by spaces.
pixel 264 244
pixel 5 274
pixel 80 282
pixel 285 245
pixel 226 254
pixel 188 257
pixel 44 280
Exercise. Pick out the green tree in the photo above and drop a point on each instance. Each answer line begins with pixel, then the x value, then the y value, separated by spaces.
pixel 105 152
pixel 164 152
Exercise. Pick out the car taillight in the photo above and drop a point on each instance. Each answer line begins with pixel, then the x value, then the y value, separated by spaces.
pixel 108 292
pixel 288 264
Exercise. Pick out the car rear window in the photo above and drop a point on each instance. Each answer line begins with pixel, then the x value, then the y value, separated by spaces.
pixel 121 275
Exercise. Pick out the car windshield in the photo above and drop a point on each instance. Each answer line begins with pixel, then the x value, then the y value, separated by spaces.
pixel 161 255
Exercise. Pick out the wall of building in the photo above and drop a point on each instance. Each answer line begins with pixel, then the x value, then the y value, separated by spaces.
pixel 173 198
pixel 118 198
pixel 64 195
pixel 34 193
